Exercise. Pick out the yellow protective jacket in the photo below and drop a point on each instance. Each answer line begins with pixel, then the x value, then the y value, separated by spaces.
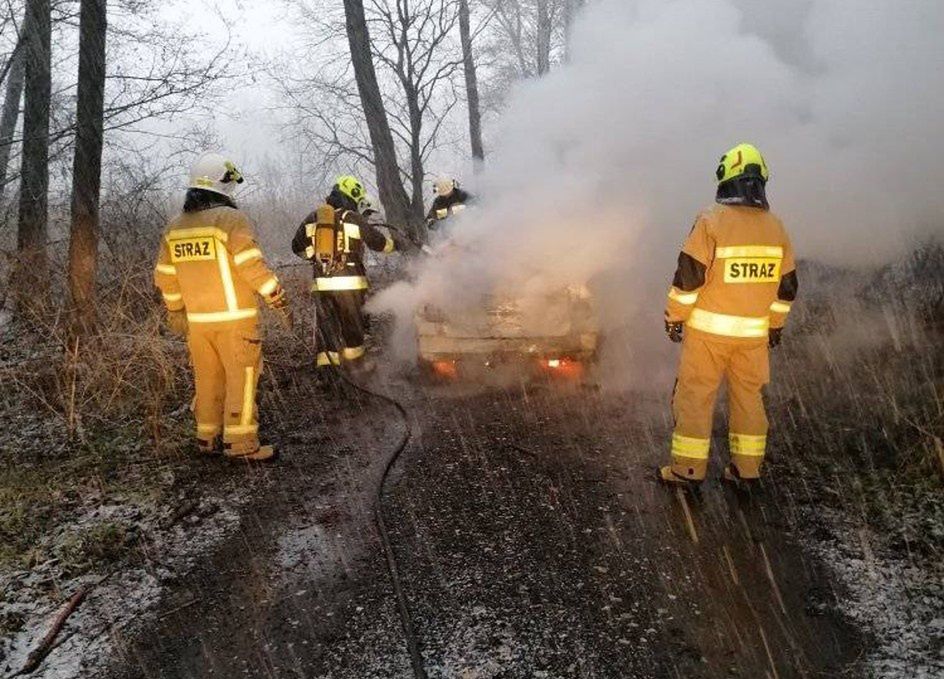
pixel 209 263
pixel 736 275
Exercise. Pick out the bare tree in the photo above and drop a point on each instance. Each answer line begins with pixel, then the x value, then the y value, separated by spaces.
pixel 87 162
pixel 30 276
pixel 418 54
pixel 525 40
pixel 408 77
pixel 571 7
pixel 11 110
pixel 543 30
pixel 155 71
pixel 395 200
pixel 471 82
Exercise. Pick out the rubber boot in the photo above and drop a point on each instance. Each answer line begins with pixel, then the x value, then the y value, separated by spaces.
pixel 670 478
pixel 262 454
pixel 209 448
pixel 732 475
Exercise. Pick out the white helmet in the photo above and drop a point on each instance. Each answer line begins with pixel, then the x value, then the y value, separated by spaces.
pixel 213 172
pixel 445 185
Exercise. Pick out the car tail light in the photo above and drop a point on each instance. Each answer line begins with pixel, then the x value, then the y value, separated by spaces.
pixel 446 369
pixel 563 367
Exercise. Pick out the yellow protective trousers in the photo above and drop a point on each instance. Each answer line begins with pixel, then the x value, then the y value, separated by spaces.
pixel 704 364
pixel 227 361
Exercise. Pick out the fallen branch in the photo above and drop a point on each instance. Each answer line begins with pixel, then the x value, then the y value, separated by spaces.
pixel 39 654
pixel 178 609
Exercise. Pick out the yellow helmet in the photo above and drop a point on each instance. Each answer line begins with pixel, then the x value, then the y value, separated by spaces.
pixel 351 187
pixel 742 159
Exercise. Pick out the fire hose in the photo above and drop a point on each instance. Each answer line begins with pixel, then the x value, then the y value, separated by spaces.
pixel 406 619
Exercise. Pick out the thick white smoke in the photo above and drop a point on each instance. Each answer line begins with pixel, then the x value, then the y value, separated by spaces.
pixel 599 168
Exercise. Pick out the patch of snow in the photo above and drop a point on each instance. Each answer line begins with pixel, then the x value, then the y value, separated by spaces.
pixel 118 605
pixel 900 604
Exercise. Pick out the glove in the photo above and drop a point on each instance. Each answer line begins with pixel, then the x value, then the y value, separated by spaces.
pixel 177 322
pixel 278 302
pixel 774 337
pixel 674 330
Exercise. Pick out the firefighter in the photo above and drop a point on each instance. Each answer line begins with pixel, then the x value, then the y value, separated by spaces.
pixel 209 270
pixel 449 201
pixel 333 237
pixel 729 300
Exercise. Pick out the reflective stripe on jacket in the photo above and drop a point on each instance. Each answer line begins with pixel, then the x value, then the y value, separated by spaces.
pixel 736 275
pixel 209 263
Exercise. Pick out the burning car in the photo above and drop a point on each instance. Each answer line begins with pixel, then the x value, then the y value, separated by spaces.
pixel 552 332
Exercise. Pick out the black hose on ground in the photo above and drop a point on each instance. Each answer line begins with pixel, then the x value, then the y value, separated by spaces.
pixel 406 620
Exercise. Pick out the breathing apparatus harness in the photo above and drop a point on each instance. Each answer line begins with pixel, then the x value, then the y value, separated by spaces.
pixel 329 241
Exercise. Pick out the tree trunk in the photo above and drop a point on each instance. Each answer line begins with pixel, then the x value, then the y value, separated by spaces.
pixel 11 112
pixel 571 7
pixel 471 83
pixel 30 276
pixel 544 30
pixel 417 171
pixel 395 200
pixel 87 163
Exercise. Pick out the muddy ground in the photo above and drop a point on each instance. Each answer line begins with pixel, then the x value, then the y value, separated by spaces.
pixel 532 541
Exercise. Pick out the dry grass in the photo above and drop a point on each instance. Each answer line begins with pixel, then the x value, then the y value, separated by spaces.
pixel 86 419
pixel 859 400
pixel 102 419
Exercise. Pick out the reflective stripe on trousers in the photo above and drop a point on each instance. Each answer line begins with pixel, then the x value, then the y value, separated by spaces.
pixel 338 283
pixel 748 445
pixel 688 446
pixel 353 353
pixel 326 358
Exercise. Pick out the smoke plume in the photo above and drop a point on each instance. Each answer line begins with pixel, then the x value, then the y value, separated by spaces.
pixel 599 168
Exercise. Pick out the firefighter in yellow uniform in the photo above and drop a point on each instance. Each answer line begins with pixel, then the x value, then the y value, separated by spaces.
pixel 209 270
pixel 728 303
pixel 333 238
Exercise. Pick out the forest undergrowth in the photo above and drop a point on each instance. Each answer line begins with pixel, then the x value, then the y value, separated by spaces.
pixel 101 421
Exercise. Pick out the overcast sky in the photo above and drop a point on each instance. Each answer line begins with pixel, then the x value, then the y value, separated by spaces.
pixel 261 28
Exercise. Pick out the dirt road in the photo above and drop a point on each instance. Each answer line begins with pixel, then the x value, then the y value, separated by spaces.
pixel 532 542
